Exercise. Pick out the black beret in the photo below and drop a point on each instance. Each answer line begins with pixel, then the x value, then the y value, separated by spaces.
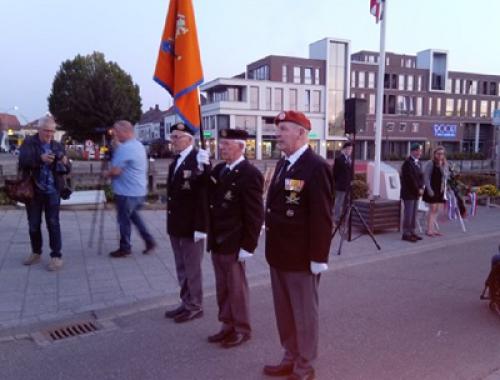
pixel 233 134
pixel 415 146
pixel 181 127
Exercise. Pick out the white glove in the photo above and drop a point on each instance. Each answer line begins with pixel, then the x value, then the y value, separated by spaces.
pixel 203 158
pixel 244 255
pixel 317 268
pixel 199 236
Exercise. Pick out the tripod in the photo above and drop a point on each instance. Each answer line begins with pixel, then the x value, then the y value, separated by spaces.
pixel 99 210
pixel 346 219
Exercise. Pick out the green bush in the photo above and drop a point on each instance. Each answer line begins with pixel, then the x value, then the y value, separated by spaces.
pixel 490 190
pixel 4 199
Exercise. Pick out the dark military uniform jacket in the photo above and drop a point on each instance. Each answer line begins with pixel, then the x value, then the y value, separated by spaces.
pixel 236 208
pixel 342 173
pixel 299 214
pixel 412 179
pixel 186 198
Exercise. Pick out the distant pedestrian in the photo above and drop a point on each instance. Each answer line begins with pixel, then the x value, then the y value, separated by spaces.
pixel 298 237
pixel 342 177
pixel 236 217
pixel 436 175
pixel 412 188
pixel 187 220
pixel 129 182
pixel 45 160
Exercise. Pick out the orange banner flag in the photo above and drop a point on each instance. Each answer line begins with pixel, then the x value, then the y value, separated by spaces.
pixel 178 68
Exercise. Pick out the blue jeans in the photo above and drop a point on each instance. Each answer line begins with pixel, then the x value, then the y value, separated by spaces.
pixel 127 209
pixel 50 204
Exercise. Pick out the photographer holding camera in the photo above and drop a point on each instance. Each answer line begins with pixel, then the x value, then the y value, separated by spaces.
pixel 45 160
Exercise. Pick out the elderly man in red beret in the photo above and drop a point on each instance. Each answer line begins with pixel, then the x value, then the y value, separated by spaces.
pixel 298 228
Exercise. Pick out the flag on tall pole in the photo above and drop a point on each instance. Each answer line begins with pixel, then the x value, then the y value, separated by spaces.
pixel 376 9
pixel 178 68
pixel 379 9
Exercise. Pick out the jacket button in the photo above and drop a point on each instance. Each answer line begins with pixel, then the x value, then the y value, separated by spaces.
pixel 169 212
pixel 268 210
pixel 169 198
pixel 211 206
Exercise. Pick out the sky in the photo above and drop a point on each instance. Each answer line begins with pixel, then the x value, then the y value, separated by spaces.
pixel 36 36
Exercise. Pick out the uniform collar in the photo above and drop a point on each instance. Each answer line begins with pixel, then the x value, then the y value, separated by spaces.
pixel 235 163
pixel 296 155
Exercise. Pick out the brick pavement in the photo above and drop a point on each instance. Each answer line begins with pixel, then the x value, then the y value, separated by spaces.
pixel 92 282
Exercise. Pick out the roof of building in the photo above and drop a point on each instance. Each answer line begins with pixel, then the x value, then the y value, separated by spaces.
pixel 8 121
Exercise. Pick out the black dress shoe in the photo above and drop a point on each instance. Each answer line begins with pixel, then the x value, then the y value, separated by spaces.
pixel 409 238
pixel 235 339
pixel 418 237
pixel 282 369
pixel 174 312
pixel 308 376
pixel 150 246
pixel 119 253
pixel 220 336
pixel 188 315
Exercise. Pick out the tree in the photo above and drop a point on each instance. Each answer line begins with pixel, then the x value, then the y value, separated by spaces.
pixel 89 94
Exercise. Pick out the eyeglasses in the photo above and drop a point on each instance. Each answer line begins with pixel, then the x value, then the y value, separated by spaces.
pixel 177 137
pixel 49 130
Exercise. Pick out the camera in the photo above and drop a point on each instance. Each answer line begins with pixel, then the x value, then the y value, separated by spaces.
pixel 60 167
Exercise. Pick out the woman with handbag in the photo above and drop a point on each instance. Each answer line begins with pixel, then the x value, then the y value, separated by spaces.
pixel 44 159
pixel 436 174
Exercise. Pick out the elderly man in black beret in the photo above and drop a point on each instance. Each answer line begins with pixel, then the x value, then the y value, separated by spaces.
pixel 187 220
pixel 236 217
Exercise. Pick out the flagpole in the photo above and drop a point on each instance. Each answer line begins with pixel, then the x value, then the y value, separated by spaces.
pixel 379 103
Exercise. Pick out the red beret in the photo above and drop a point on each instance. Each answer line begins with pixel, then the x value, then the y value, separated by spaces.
pixel 294 117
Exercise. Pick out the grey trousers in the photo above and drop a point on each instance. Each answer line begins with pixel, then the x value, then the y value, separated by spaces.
pixel 232 293
pixel 409 216
pixel 295 296
pixel 188 255
pixel 339 205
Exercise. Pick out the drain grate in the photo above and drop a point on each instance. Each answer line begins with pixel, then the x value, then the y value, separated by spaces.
pixel 73 330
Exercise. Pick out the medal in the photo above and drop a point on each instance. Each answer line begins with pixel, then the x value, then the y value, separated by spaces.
pixel 294 184
pixel 290 213
pixel 186 174
pixel 292 199
pixel 186 186
pixel 228 196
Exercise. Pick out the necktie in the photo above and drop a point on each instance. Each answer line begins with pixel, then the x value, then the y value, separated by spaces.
pixel 224 172
pixel 282 171
pixel 176 160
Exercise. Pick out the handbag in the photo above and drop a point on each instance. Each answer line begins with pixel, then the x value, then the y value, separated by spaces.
pixel 20 190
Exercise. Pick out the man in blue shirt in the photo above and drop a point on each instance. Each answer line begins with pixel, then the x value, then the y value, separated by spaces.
pixel 129 181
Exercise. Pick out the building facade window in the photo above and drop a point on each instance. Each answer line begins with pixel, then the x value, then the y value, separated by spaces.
pixel 254 97
pixel 414 127
pixel 371 104
pixel 307 101
pixel 466 107
pixel 438 106
pixel 293 99
pixel 401 82
pixel 457 86
pixel 316 76
pixel 296 74
pixel 449 107
pixel 316 101
pixel 402 127
pixel 483 108
pixel 389 127
pixel 409 83
pixel 419 83
pixel 459 107
pixel 308 75
pixel 278 99
pixel 353 79
pixel 429 108
pixel 371 80
pixel 418 108
pixel 284 73
pixel 473 108
pixel 361 79
pixel 268 98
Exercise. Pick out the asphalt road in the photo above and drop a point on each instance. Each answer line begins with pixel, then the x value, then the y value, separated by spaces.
pixel 411 317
